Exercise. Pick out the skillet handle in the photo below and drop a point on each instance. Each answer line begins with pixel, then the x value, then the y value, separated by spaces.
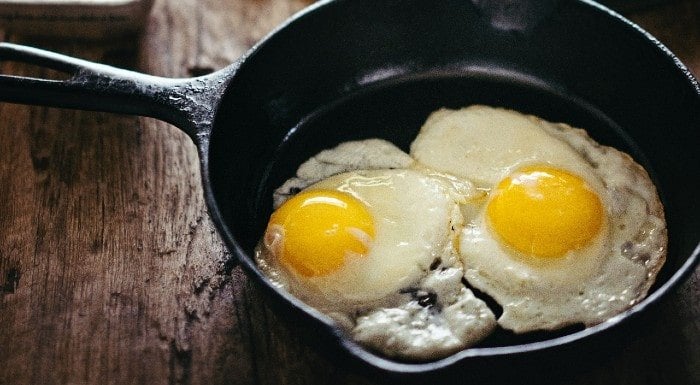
pixel 188 103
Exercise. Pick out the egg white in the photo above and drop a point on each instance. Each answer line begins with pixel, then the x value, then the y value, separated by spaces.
pixel 484 144
pixel 368 154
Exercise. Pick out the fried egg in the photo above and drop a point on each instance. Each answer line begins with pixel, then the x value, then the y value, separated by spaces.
pixel 376 250
pixel 568 231
pixel 360 236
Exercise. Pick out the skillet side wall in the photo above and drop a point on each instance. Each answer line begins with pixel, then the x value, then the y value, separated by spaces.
pixel 594 71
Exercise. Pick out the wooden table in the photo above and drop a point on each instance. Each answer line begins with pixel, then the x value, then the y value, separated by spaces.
pixel 111 272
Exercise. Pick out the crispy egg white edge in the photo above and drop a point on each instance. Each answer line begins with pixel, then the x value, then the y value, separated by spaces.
pixel 638 183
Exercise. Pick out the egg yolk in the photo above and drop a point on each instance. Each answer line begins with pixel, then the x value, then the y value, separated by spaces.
pixel 542 211
pixel 319 229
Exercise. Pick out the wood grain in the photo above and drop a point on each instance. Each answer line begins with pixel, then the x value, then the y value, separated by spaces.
pixel 111 271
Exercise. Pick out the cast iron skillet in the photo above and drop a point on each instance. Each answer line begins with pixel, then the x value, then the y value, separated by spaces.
pixel 350 69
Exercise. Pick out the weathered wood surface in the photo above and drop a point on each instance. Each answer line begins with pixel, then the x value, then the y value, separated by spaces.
pixel 111 271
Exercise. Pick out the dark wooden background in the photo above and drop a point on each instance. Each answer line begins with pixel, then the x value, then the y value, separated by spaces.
pixel 111 272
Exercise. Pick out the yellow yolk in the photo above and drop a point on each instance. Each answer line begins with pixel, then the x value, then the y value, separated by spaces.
pixel 545 212
pixel 319 228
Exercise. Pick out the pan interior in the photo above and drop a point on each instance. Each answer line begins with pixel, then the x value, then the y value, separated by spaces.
pixel 395 110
